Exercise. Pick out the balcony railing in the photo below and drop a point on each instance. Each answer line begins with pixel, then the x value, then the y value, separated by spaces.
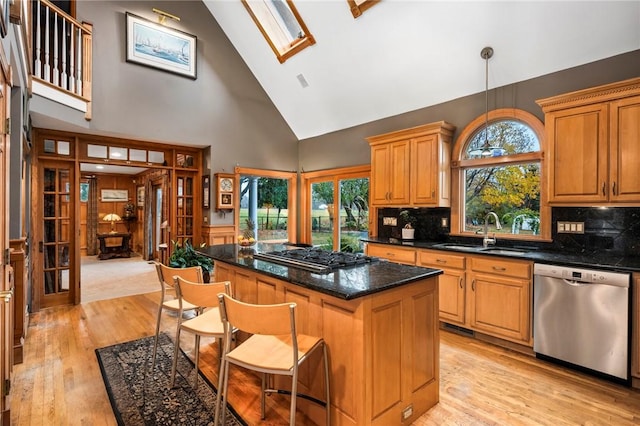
pixel 62 55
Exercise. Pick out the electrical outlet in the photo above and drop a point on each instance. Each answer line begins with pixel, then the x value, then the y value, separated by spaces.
pixel 444 222
pixel 571 227
pixel 390 221
pixel 407 412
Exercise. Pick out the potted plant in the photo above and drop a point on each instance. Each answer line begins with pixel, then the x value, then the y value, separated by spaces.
pixel 408 230
pixel 184 256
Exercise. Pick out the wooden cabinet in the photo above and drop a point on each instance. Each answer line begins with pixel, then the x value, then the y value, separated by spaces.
pixel 592 149
pixel 488 294
pixel 411 167
pixel 635 330
pixel 390 174
pixel 500 298
pixel 383 347
pixel 452 287
pixel 406 256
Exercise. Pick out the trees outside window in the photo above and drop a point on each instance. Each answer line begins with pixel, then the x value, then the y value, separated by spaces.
pixel 500 171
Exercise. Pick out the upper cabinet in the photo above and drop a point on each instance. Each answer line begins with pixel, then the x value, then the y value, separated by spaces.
pixel 592 145
pixel 411 167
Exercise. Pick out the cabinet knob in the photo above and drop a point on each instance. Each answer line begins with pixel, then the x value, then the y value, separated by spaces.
pixel 499 268
pixel 604 188
pixel 614 189
pixel 461 282
pixel 473 285
pixel 441 261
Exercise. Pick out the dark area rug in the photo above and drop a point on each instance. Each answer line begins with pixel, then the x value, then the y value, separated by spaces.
pixel 141 397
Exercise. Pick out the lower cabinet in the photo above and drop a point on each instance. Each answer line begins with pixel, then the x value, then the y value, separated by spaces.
pixel 635 329
pixel 484 293
pixel 406 256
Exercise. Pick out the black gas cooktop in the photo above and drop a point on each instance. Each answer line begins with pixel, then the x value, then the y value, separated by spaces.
pixel 315 259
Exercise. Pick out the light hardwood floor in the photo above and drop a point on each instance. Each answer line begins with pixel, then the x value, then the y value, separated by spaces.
pixel 60 383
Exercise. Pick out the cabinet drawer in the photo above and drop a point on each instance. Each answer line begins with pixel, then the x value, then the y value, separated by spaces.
pixel 501 266
pixel 394 254
pixel 440 259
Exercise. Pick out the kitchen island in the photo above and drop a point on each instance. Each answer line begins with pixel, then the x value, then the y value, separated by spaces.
pixel 380 322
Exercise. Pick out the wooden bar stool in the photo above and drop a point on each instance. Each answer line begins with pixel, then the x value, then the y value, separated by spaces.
pixel 208 323
pixel 168 300
pixel 274 348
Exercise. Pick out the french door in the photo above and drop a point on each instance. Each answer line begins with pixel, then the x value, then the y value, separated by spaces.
pixel 58 278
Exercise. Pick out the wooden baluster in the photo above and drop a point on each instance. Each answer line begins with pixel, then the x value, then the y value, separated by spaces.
pixel 63 74
pixel 56 36
pixel 37 65
pixel 72 59
pixel 47 66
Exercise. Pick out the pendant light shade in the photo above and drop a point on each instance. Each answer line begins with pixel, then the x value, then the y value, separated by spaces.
pixel 487 149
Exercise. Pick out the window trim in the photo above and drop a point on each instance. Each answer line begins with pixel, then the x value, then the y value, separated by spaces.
pixel 459 165
pixel 292 193
pixel 295 47
pixel 334 175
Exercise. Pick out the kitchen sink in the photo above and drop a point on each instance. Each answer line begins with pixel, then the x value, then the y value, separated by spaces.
pixel 503 250
pixel 506 251
pixel 454 246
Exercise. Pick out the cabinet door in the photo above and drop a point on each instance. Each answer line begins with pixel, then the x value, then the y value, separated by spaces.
pixel 424 170
pixel 578 154
pixel 624 181
pixel 399 173
pixel 451 297
pixel 635 327
pixel 380 172
pixel 501 307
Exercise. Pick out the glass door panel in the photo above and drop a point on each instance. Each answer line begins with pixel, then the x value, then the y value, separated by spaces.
pixel 354 214
pixel 56 238
pixel 322 214
pixel 265 201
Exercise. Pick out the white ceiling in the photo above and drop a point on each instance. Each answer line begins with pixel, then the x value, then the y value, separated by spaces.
pixel 403 55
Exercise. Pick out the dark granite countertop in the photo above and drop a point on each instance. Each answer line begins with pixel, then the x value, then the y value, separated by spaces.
pixel 346 283
pixel 593 259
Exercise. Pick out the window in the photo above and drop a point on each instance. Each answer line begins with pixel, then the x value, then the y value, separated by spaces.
pixel 336 208
pixel 267 198
pixel 281 25
pixel 500 171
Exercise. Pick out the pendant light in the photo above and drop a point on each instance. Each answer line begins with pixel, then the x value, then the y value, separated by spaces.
pixel 487 149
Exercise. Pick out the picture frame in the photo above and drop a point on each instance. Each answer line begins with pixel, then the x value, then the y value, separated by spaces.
pixel 157 46
pixel 226 200
pixel 114 195
pixel 140 196
pixel 206 192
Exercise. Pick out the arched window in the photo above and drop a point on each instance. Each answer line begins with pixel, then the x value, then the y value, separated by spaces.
pixel 499 170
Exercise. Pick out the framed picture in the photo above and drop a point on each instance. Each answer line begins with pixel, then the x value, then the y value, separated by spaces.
pixel 205 192
pixel 226 201
pixel 140 196
pixel 114 195
pixel 157 46
pixel 84 192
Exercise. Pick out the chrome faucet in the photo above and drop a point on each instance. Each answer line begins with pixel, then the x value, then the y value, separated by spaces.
pixel 486 240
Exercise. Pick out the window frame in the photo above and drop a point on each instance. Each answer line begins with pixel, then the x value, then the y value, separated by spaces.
pixel 358 7
pixel 459 165
pixel 334 175
pixel 292 192
pixel 296 46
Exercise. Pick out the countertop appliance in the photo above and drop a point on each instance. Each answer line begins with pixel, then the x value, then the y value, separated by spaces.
pixel 315 259
pixel 581 317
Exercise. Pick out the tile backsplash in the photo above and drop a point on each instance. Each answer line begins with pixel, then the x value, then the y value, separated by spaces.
pixel 610 230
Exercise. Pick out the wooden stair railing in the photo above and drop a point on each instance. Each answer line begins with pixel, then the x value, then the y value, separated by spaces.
pixel 62 52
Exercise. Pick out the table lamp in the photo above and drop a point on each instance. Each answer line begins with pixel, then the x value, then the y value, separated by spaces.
pixel 112 217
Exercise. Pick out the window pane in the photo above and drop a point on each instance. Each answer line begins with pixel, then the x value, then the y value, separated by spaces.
pixel 96 151
pixel 322 214
pixel 512 192
pixel 503 138
pixel 354 214
pixel 265 201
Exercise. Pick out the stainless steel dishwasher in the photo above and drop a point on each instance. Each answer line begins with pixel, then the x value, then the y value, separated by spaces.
pixel 581 316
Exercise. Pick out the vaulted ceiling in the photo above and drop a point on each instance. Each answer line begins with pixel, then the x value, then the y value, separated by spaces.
pixel 402 55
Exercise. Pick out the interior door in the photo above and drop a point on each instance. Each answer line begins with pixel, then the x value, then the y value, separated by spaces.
pixel 58 277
